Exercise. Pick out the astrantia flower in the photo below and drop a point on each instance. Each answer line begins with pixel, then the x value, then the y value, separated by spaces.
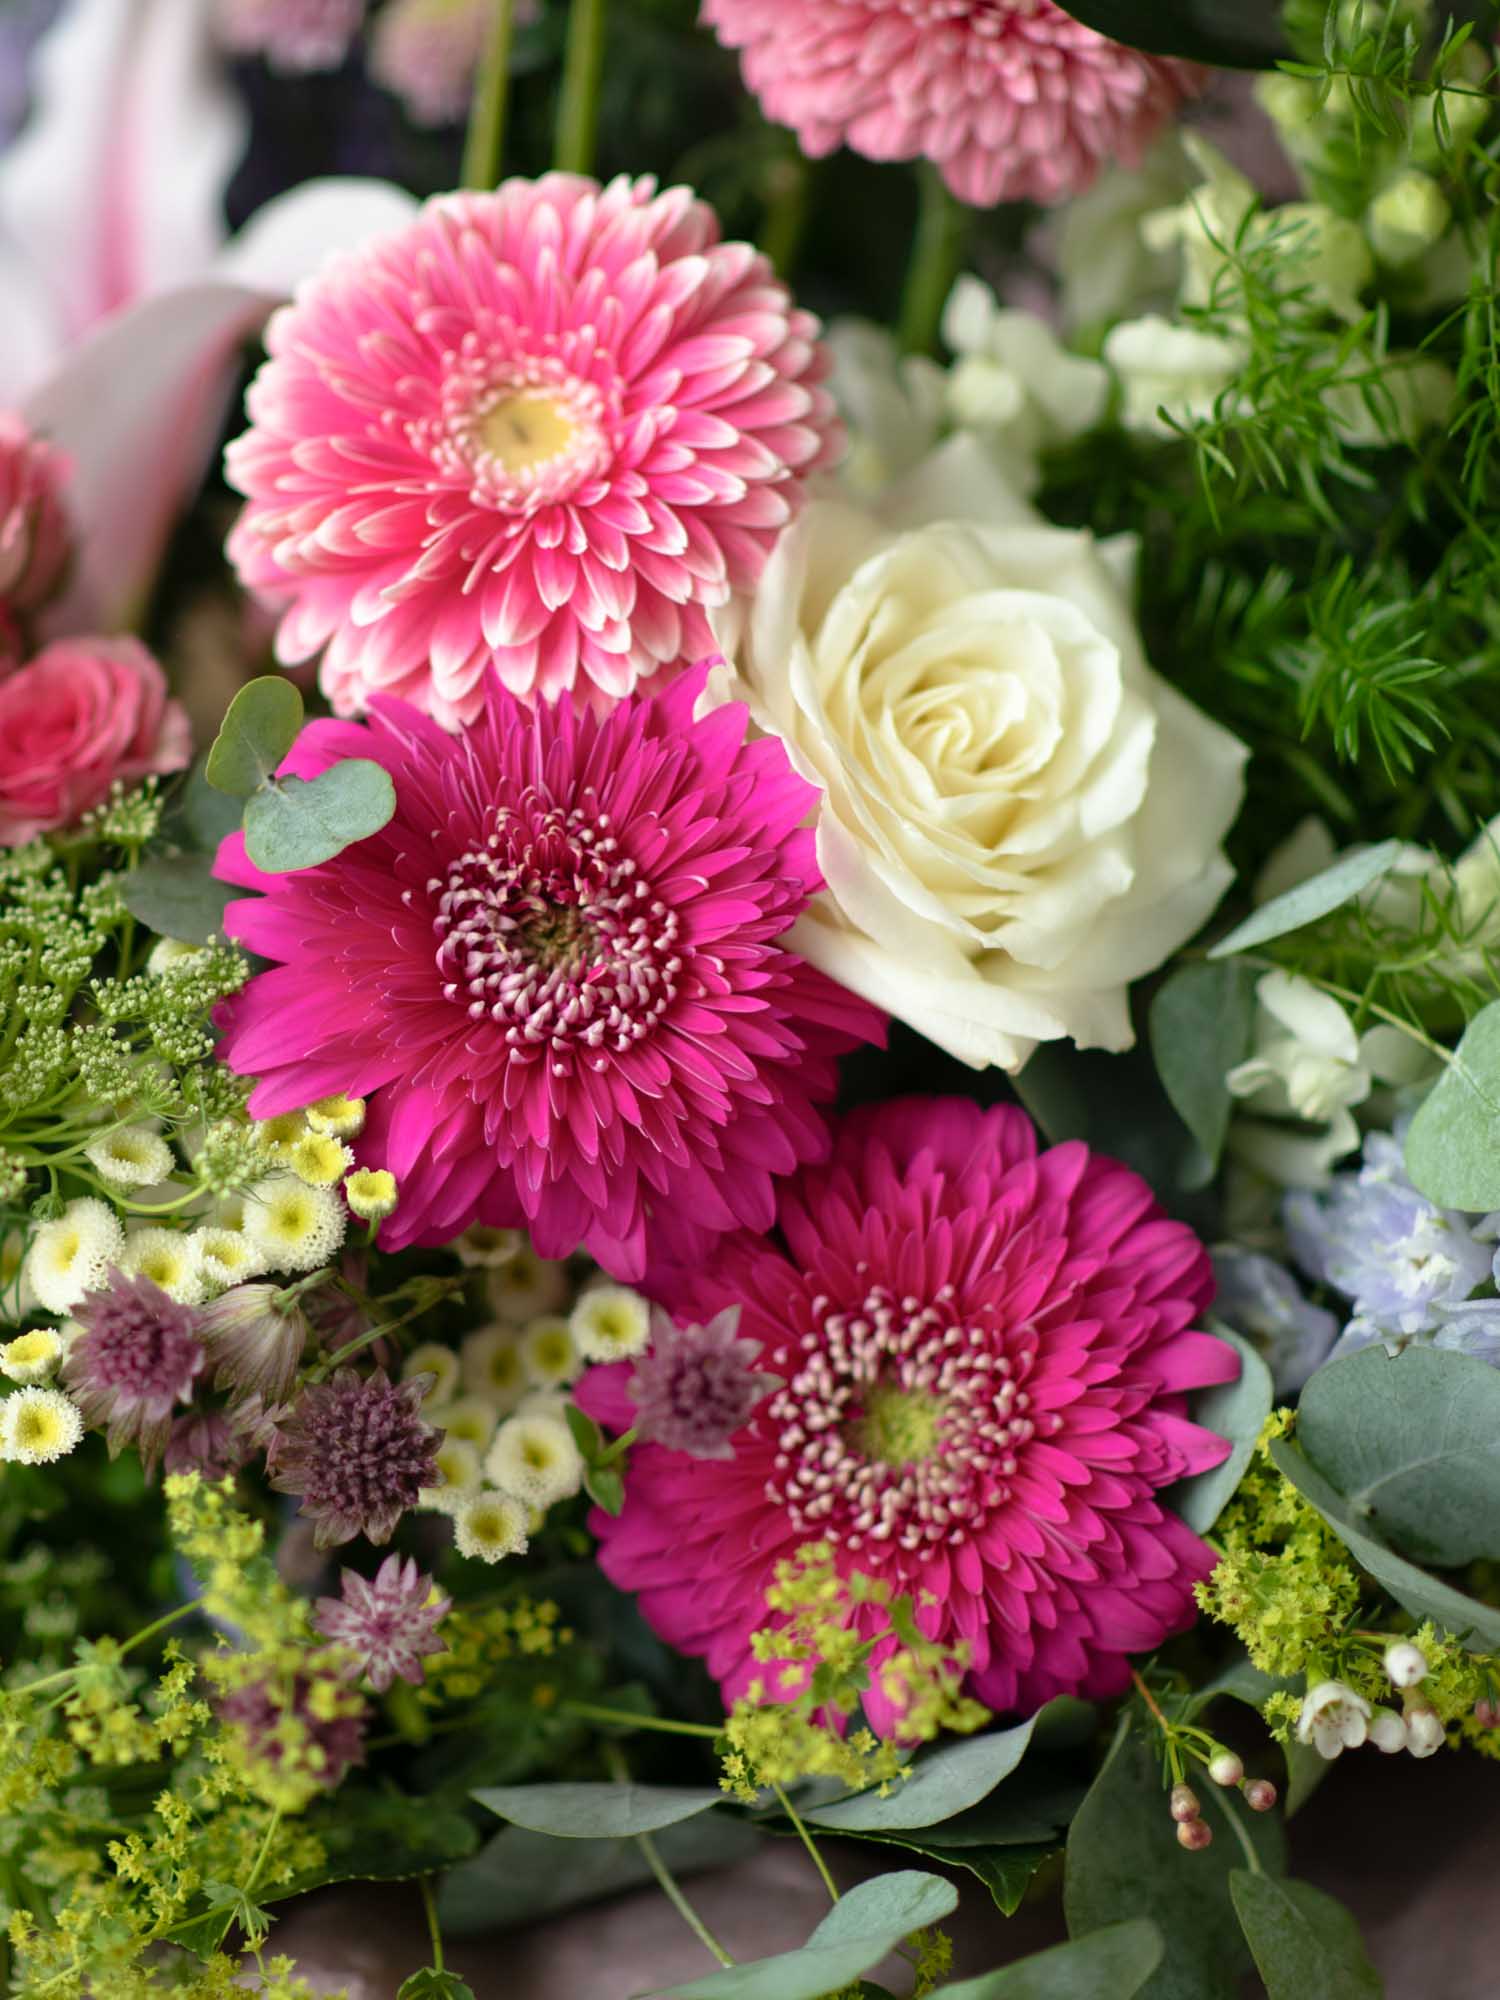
pixel 295 1722
pixel 295 37
pixel 698 1385
pixel 358 1453
pixel 34 532
pixel 138 1355
pixel 1013 99
pixel 986 1356
pixel 556 973
pixel 39 1426
pixel 390 1622
pixel 205 1443
pixel 543 427
pixel 254 1340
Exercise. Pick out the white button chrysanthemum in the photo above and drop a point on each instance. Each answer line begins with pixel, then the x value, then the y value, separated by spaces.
pixel 71 1256
pixel 441 1363
pixel 490 1362
pixel 169 1259
pixel 340 1117
pixel 611 1323
pixel 227 1256
pixel 534 1457
pixel 469 1418
pixel 522 1285
pixel 319 1159
pixel 31 1357
pixel 549 1353
pixel 38 1426
pixel 296 1227
pixel 131 1156
pixel 371 1193
pixel 458 1468
pixel 490 1526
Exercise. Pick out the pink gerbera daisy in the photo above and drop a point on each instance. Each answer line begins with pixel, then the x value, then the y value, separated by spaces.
pixel 1013 99
pixel 985 1355
pixel 542 428
pixel 556 973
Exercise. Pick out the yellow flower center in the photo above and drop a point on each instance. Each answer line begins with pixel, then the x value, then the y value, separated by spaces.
pixel 525 429
pixel 897 1426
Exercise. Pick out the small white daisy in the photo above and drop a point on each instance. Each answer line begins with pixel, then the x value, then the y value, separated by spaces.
pixel 168 1258
pixel 297 1227
pixel 534 1457
pixel 31 1357
pixel 549 1353
pixel 490 1526
pixel 440 1362
pixel 611 1323
pixel 490 1362
pixel 71 1256
pixel 132 1156
pixel 38 1426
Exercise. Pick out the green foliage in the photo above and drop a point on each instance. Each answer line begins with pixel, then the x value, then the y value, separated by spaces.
pixel 258 729
pixel 299 823
pixel 596 1812
pixel 942 1783
pixel 1303 1942
pixel 1233 33
pixel 1116 1961
pixel 1235 1410
pixel 1200 1028
pixel 1453 1146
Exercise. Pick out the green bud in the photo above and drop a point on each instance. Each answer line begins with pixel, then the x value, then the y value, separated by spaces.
pixel 1407 217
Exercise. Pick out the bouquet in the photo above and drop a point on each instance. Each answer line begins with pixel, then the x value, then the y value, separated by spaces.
pixel 749 976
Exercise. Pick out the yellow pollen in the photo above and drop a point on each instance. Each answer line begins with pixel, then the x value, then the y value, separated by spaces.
pixel 525 430
pixel 897 1427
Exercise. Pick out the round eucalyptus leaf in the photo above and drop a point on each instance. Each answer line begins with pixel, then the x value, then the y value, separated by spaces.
pixel 298 823
pixel 258 729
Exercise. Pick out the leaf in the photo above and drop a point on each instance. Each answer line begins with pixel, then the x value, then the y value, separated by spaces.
pixel 259 727
pixel 605 1488
pixel 1314 898
pixel 586 1433
pixel 1235 34
pixel 1424 1596
pixel 1123 1861
pixel 1303 1942
pixel 597 1812
pixel 177 896
pixel 945 1782
pixel 858 1931
pixel 1412 1442
pixel 519 1877
pixel 1200 1028
pixel 1306 1769
pixel 208 814
pixel 1453 1146
pixel 1116 1104
pixel 1236 1410
pixel 430 1984
pixel 299 823
pixel 1115 1962
pixel 380 1837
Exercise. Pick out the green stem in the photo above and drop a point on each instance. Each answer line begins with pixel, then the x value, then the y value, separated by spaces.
pixel 936 255
pixel 1247 1845
pixel 434 1930
pixel 137 1639
pixel 578 100
pixel 484 142
pixel 785 222
pixel 807 1841
pixel 439 1290
pixel 667 1881
pixel 589 1711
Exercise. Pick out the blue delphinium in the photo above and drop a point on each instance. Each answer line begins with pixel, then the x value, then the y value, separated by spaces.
pixel 1262 1300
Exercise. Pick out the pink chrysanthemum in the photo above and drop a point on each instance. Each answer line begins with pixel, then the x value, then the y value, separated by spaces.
pixel 556 973
pixel 986 1353
pixel 428 53
pixel 390 1623
pixel 542 428
pixel 295 37
pixel 1013 99
pixel 35 535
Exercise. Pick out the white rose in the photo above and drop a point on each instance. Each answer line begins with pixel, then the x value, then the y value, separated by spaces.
pixel 1019 817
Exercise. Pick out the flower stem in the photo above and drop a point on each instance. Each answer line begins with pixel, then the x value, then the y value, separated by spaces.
pixel 936 254
pixel 484 142
pixel 807 1841
pixel 436 1289
pixel 785 223
pixel 578 101
pixel 434 1929
pixel 1247 1845
pixel 589 1711
pixel 670 1887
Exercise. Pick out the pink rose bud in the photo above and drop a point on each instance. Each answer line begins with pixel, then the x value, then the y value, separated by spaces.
pixel 1183 1804
pixel 1260 1794
pixel 1226 1769
pixel 35 539
pixel 80 715
pixel 1194 1835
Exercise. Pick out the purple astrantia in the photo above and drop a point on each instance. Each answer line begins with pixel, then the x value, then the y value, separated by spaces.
pixel 136 1359
pixel 358 1453
pixel 287 1720
pixel 697 1385
pixel 204 1442
pixel 255 1341
pixel 1261 1299
pixel 390 1622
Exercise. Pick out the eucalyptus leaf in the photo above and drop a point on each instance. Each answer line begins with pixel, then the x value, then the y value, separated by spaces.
pixel 380 1837
pixel 1303 1942
pixel 1200 1028
pixel 865 1924
pixel 1453 1146
pixel 430 1984
pixel 1124 1861
pixel 207 813
pixel 1306 1768
pixel 298 823
pixel 1235 34
pixel 177 896
pixel 1412 1442
pixel 1235 1410
pixel 943 1783
pixel 258 729
pixel 1115 1962
pixel 1424 1596
pixel 597 1812
pixel 1317 897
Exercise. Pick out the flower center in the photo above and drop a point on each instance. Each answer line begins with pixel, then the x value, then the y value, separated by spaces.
pixel 896 1427
pixel 517 431
pixel 549 932
pixel 526 429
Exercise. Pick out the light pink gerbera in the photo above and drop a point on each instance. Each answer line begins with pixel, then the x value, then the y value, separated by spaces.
pixel 1013 99
pixel 541 429
pixel 556 973
pixel 986 1355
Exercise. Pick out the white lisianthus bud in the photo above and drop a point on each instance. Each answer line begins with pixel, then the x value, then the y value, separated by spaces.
pixel 1405 1664
pixel 1407 217
pixel 1425 1734
pixel 1388 1731
pixel 1226 1769
pixel 1334 1719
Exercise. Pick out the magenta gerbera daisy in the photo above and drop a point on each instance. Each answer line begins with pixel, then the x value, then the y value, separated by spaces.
pixel 557 974
pixel 542 428
pixel 1013 99
pixel 985 1354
